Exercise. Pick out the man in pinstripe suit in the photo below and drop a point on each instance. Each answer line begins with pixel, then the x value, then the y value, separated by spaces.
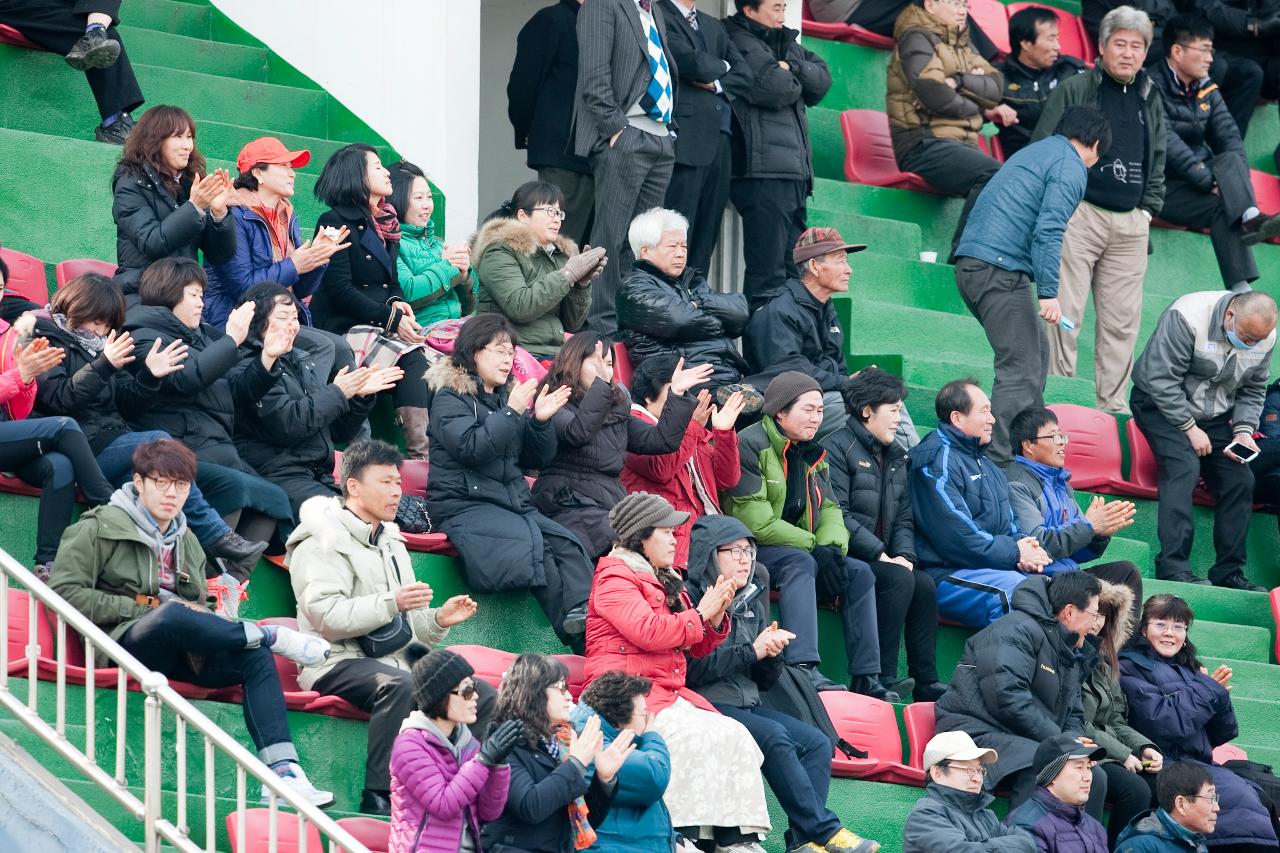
pixel 622 118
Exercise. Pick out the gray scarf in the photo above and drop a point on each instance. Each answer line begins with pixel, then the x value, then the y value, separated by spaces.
pixel 162 544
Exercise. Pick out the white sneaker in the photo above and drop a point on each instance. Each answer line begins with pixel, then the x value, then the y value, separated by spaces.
pixel 304 649
pixel 740 847
pixel 296 779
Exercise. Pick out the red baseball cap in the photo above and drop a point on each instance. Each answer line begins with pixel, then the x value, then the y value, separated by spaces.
pixel 268 149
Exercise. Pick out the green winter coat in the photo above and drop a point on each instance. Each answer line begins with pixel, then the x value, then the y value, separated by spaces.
pixel 103 562
pixel 758 499
pixel 1106 711
pixel 432 286
pixel 522 281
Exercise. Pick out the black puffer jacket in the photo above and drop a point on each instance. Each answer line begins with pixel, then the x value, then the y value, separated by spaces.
pixel 1026 90
pixel 730 675
pixel 794 331
pixel 292 428
pixel 871 482
pixel 87 388
pixel 197 405
pixel 152 224
pixel 1198 126
pixel 595 434
pixel 772 137
pixel 360 282
pixel 683 317
pixel 1018 682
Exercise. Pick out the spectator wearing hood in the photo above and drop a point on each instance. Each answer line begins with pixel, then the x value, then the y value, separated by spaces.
pixel 797 756
pixel 1055 814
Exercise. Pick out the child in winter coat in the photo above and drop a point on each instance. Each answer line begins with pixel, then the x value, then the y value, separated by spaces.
pixel 444 783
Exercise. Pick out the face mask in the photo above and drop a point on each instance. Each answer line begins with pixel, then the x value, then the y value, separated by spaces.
pixel 1235 339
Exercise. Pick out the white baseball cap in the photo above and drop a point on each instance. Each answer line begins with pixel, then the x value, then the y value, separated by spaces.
pixel 955 746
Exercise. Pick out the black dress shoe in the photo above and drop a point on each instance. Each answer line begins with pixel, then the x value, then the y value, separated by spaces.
pixel 95 49
pixel 869 685
pixel 901 686
pixel 1237 580
pixel 239 554
pixel 117 133
pixel 930 692
pixel 375 802
pixel 1187 577
pixel 1259 228
pixel 575 621
pixel 820 682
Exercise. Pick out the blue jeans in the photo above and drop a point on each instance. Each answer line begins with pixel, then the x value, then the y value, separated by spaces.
pixel 207 650
pixel 797 766
pixel 116 462
pixel 794 573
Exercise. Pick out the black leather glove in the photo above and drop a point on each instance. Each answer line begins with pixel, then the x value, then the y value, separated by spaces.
pixel 502 739
pixel 1202 176
pixel 833 573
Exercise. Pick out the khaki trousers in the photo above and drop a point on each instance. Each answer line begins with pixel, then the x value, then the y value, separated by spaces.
pixel 1104 253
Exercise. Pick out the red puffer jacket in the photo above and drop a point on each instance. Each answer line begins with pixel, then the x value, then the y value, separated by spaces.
pixel 630 629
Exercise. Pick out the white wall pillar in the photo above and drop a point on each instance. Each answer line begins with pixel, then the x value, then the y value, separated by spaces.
pixel 410 69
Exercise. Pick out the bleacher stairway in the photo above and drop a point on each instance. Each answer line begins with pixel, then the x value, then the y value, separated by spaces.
pixel 902 314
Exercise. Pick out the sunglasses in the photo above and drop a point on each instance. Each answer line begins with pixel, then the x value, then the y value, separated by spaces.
pixel 466 691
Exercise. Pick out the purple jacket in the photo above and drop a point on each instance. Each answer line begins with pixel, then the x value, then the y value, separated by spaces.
pixel 1058 827
pixel 428 779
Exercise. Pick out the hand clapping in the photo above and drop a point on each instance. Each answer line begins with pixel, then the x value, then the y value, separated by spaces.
pixel 37 358
pixel 162 362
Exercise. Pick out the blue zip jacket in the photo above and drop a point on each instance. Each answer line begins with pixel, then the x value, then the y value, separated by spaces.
pixel 638 821
pixel 1044 503
pixel 1018 221
pixel 960 502
pixel 252 264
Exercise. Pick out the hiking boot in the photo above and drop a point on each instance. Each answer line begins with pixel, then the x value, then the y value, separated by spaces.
pixel 820 682
pixel 117 133
pixel 901 686
pixel 575 621
pixel 239 555
pixel 845 841
pixel 752 399
pixel 95 49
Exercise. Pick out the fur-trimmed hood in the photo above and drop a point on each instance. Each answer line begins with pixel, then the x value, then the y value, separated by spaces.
pixel 1119 597
pixel 336 529
pixel 445 374
pixel 516 236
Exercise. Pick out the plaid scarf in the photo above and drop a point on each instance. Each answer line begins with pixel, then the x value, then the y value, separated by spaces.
pixel 385 220
pixel 558 748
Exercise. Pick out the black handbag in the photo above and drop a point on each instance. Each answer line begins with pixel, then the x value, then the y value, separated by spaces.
pixel 387 640
pixel 412 515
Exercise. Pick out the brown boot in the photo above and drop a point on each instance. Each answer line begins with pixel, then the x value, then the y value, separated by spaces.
pixel 413 425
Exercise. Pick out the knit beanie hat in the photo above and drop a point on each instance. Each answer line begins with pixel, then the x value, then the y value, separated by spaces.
pixel 641 510
pixel 784 388
pixel 437 673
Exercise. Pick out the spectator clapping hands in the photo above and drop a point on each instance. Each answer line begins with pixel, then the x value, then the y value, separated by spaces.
pixel 37 358
pixel 771 641
pixel 1108 518
pixel 211 192
pixel 715 601
pixel 683 378
pixel 1032 558
pixel 456 610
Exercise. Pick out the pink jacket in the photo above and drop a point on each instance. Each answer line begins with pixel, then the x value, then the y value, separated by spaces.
pixel 428 779
pixel 16 398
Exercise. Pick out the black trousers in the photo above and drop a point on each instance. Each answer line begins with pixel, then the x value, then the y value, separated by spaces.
pixel 1130 794
pixel 56 25
pixel 699 193
pixel 907 609
pixel 1240 79
pixel 954 168
pixel 1220 212
pixel 773 218
pixel 385 693
pixel 1266 473
pixel 1178 471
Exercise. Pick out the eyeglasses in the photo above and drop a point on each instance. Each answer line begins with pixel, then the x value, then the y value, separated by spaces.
pixel 560 687
pixel 553 212
pixel 466 691
pixel 956 4
pixel 1172 627
pixel 1058 437
pixel 1207 51
pixel 739 552
pixel 1097 617
pixel 979 771
pixel 507 351
pixel 164 484
pixel 1212 798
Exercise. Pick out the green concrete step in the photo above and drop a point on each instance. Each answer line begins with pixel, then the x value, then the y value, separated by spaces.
pixel 220 58
pixel 888 235
pixel 193 20
pixel 1263 544
pixel 858 75
pixel 1249 679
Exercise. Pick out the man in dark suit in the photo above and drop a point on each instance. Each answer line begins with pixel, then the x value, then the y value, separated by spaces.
pixel 623 117
pixel 540 106
pixel 712 72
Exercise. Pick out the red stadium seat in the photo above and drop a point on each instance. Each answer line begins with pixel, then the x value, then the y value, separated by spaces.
pixel 1093 454
pixel 489 664
pixel 1072 38
pixel 14 486
pixel 26 276
pixel 992 19
pixel 295 698
pixel 1275 614
pixel 919 720
pixel 1228 752
pixel 870 725
pixel 577 680
pixel 67 270
pixel 335 706
pixel 257 832
pixel 851 33
pixel 1142 470
pixel 19 633
pixel 369 831
pixel 8 35
pixel 868 153
pixel 621 365
pixel 1266 192
pixel 413 477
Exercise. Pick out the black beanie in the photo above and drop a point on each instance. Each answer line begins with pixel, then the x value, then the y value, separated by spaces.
pixel 437 673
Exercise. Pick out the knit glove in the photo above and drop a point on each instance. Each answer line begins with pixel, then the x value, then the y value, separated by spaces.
pixel 500 742
pixel 833 572
pixel 1202 176
pixel 580 267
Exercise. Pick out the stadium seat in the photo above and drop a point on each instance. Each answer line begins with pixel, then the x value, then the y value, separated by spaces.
pixel 8 35
pixel 335 706
pixel 1093 453
pixel 103 676
pixel 67 270
pixel 918 718
pixel 369 831
pixel 868 153
pixel 14 486
pixel 295 698
pixel 1142 470
pixel 992 18
pixel 621 365
pixel 489 664
pixel 851 33
pixel 19 632
pixel 26 276
pixel 870 725
pixel 1072 39
pixel 413 478
pixel 1275 614
pixel 990 145
pixel 1266 192
pixel 1228 752
pixel 577 680
pixel 257 832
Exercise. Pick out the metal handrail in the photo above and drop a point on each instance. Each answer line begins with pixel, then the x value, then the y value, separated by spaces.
pixel 157 827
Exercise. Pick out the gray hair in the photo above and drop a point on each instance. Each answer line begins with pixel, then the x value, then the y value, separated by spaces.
pixel 647 229
pixel 1125 18
pixel 1255 303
